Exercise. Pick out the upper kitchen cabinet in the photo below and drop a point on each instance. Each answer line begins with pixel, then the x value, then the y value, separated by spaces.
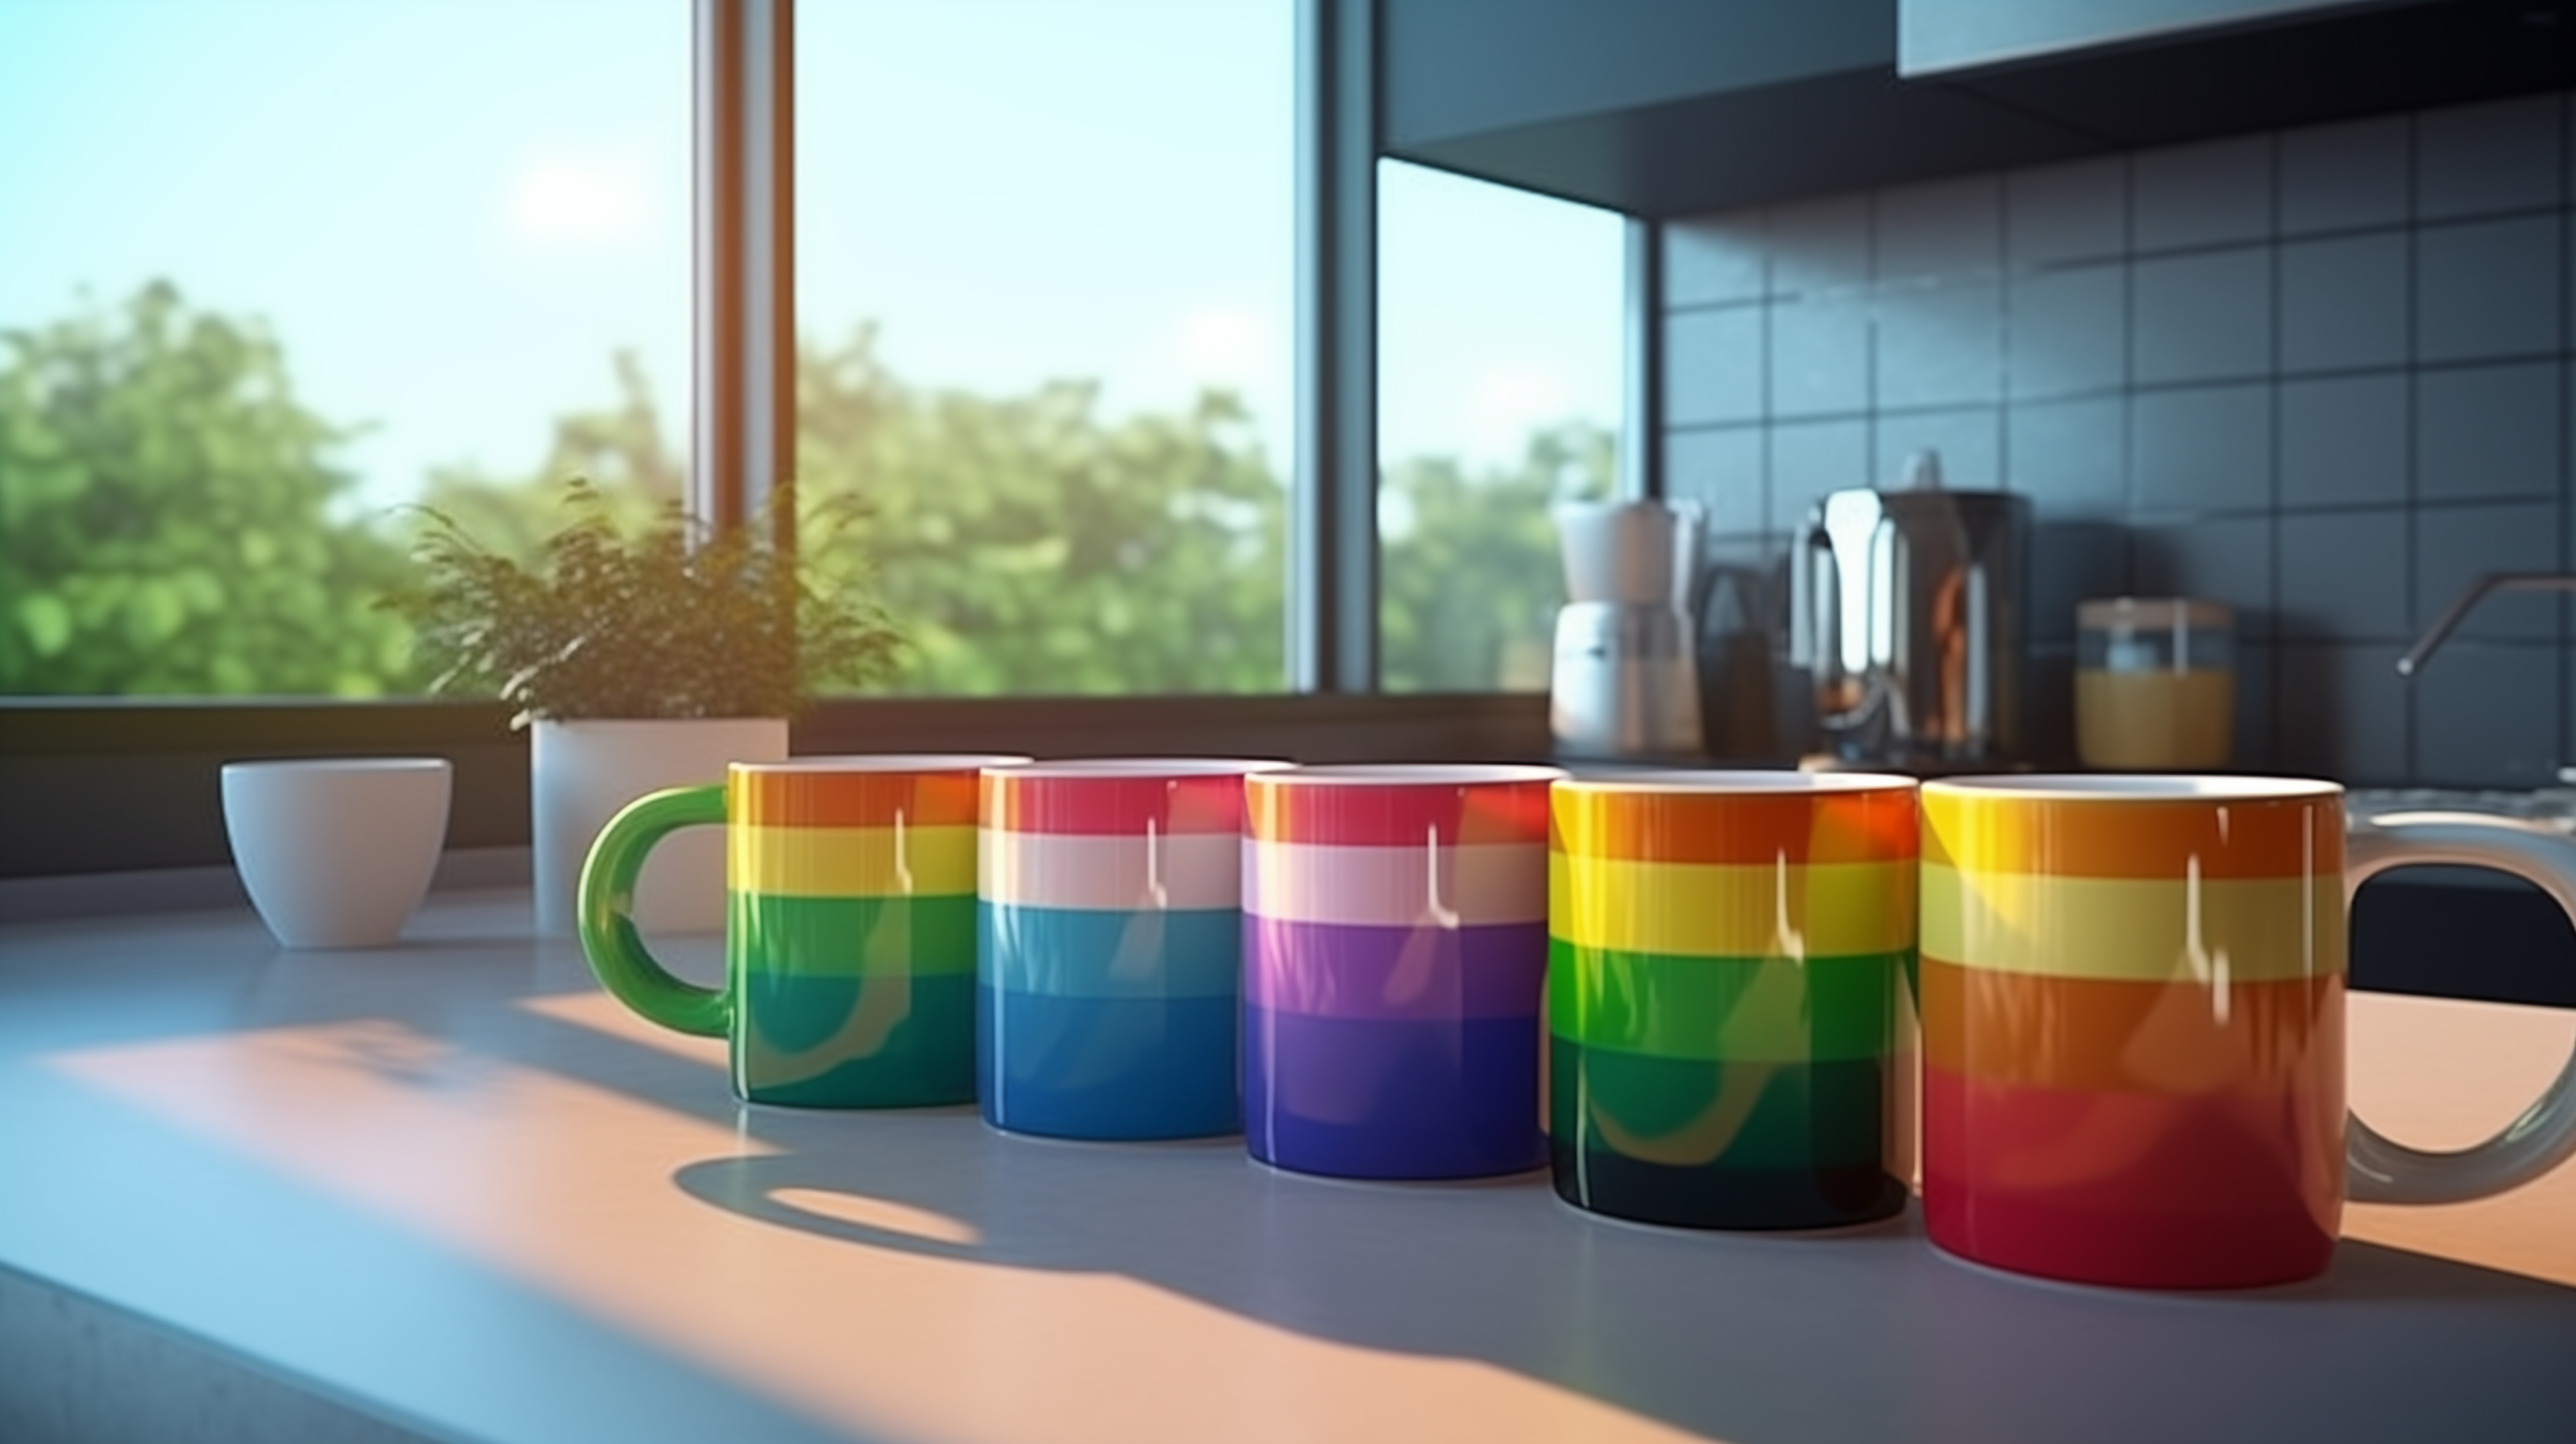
pixel 2149 72
pixel 1674 107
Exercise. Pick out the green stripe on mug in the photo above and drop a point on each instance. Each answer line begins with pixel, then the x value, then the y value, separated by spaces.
pixel 891 1040
pixel 1765 1010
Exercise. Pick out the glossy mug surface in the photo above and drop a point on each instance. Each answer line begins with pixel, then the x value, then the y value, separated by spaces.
pixel 2133 1025
pixel 1110 945
pixel 1729 955
pixel 1395 949
pixel 850 926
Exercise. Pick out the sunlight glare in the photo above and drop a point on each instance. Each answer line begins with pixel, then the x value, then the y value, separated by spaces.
pixel 576 201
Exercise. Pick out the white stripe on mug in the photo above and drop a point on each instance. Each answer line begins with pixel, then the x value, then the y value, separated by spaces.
pixel 1463 886
pixel 1136 871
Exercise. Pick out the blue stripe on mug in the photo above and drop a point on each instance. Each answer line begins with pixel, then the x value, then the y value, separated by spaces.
pixel 1081 953
pixel 1107 1068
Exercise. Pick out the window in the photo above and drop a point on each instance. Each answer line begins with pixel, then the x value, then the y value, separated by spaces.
pixel 275 269
pixel 370 253
pixel 1044 291
pixel 1499 349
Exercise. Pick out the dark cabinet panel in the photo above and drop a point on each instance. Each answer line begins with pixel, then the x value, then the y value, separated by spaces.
pixel 1664 108
pixel 1469 67
pixel 2337 65
pixel 1669 107
pixel 1825 133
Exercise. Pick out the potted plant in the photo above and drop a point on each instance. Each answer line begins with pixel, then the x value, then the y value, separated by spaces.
pixel 642 658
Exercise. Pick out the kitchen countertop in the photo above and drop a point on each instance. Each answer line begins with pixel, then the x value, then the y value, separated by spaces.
pixel 454 1187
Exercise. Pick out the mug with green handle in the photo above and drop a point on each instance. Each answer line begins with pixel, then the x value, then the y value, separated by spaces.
pixel 849 926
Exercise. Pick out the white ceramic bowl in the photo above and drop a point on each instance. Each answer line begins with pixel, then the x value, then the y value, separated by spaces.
pixel 336 852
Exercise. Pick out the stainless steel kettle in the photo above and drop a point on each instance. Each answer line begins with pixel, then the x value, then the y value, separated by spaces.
pixel 1906 615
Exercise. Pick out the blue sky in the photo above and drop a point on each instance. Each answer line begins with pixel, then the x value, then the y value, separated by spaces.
pixel 452 211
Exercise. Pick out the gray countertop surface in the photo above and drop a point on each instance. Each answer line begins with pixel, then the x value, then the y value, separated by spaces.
pixel 452 1185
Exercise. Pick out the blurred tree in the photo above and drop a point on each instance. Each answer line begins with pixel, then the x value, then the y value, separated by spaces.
pixel 169 523
pixel 167 517
pixel 1024 544
pixel 621 449
pixel 1470 576
pixel 1028 545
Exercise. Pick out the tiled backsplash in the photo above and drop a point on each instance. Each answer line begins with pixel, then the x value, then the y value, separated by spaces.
pixel 2319 374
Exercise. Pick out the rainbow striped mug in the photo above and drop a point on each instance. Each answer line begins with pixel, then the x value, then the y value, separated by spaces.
pixel 850 926
pixel 2133 1031
pixel 1110 947
pixel 1394 953
pixel 1728 963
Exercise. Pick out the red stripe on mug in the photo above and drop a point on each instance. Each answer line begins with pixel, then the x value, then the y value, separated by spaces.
pixel 2225 1189
pixel 1400 805
pixel 1119 797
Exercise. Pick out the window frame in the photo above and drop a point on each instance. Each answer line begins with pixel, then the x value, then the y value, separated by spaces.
pixel 133 782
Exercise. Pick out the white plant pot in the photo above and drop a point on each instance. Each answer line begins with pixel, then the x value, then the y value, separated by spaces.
pixel 581 773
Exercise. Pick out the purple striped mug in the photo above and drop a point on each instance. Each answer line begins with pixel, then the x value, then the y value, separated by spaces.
pixel 1395 950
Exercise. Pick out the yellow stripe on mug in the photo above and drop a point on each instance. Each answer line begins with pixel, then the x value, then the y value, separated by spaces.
pixel 2135 929
pixel 850 861
pixel 1730 910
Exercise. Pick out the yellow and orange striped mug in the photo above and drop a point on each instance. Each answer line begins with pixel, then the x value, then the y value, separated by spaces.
pixel 2133 1035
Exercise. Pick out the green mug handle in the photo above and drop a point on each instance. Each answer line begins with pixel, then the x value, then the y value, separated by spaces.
pixel 606 912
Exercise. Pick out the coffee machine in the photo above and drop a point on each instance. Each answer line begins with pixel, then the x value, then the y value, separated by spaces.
pixel 1625 683
pixel 1906 620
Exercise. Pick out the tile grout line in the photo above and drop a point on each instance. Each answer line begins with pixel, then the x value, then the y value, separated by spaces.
pixel 2406 708
pixel 2276 717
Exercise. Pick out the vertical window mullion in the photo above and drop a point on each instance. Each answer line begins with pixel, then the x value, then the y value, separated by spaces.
pixel 744 348
pixel 1333 553
pixel 1641 429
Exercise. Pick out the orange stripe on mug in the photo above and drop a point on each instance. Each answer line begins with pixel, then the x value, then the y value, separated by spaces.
pixel 2086 1034
pixel 910 791
pixel 2263 828
pixel 1736 818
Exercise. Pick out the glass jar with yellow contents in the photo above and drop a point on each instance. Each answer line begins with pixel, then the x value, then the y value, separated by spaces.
pixel 2155 682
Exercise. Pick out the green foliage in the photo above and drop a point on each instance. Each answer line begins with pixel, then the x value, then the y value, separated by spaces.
pixel 170 523
pixel 1471 576
pixel 1032 546
pixel 166 517
pixel 674 620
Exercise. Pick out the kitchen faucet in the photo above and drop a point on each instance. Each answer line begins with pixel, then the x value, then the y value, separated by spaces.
pixel 2422 651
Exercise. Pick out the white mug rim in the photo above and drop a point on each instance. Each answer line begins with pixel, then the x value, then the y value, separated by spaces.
pixel 1073 769
pixel 2134 787
pixel 1738 782
pixel 1411 774
pixel 278 766
pixel 864 762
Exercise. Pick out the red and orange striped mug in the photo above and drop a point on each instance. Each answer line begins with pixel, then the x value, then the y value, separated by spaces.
pixel 2133 1033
